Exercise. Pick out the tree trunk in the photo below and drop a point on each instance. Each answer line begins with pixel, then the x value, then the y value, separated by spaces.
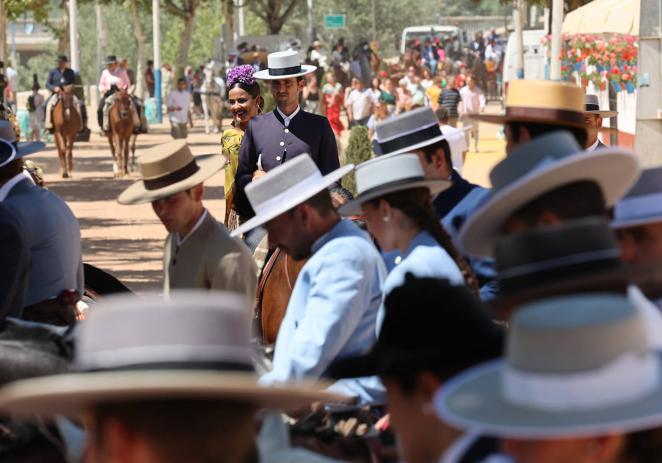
pixel 63 40
pixel 140 38
pixel 3 32
pixel 182 57
pixel 228 29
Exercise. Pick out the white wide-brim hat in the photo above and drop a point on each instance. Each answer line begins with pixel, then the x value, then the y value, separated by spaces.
pixel 544 164
pixel 168 169
pixel 589 387
pixel 284 65
pixel 285 187
pixel 643 203
pixel 136 348
pixel 389 174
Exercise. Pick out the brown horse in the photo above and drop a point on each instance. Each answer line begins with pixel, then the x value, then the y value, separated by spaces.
pixel 67 122
pixel 273 293
pixel 121 135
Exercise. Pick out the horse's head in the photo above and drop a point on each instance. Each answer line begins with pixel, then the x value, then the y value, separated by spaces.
pixel 124 102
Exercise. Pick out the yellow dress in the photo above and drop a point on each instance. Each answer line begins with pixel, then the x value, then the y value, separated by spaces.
pixel 230 143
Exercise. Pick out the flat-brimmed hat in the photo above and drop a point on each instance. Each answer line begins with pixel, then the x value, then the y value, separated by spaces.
pixel 417 336
pixel 592 106
pixel 110 59
pixel 408 132
pixel 168 169
pixel 544 164
pixel 542 102
pixel 62 58
pixel 284 65
pixel 11 148
pixel 136 348
pixel 642 205
pixel 575 366
pixel 575 256
pixel 388 174
pixel 285 187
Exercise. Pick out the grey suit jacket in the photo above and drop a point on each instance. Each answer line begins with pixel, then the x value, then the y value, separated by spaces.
pixel 209 259
pixel 53 235
pixel 15 257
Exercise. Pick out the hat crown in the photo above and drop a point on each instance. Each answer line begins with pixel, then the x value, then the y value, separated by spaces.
pixel 386 171
pixel 649 182
pixel 130 332
pixel 591 99
pixel 539 153
pixel 409 129
pixel 545 94
pixel 164 159
pixel 298 172
pixel 643 203
pixel 283 59
pixel 566 335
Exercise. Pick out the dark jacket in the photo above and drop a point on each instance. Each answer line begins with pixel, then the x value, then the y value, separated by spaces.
pixel 57 78
pixel 15 264
pixel 267 135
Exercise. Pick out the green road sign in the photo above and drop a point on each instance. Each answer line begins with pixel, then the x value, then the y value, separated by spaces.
pixel 335 21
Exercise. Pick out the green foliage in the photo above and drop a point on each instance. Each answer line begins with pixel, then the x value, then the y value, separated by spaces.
pixel 40 65
pixel 359 149
pixel 38 8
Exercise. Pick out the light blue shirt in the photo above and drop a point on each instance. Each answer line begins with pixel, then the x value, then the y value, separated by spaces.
pixel 333 307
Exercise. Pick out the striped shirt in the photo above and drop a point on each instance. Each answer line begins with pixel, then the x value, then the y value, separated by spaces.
pixel 450 99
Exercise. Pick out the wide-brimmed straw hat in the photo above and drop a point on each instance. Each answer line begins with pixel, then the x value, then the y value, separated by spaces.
pixel 643 203
pixel 592 106
pixel 168 169
pixel 285 187
pixel 407 132
pixel 388 174
pixel 11 148
pixel 542 102
pixel 574 256
pixel 577 365
pixel 284 65
pixel 137 348
pixel 538 167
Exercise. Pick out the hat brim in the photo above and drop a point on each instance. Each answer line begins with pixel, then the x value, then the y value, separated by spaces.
pixel 417 146
pixel 264 74
pixel 354 207
pixel 73 394
pixel 290 202
pixel 613 169
pixel 473 400
pixel 30 147
pixel 503 119
pixel 636 222
pixel 209 165
pixel 604 114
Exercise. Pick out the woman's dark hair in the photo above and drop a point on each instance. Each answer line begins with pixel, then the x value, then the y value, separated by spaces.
pixel 643 446
pixel 253 90
pixel 416 204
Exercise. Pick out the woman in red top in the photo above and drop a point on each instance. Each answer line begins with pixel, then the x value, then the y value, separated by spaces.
pixel 333 100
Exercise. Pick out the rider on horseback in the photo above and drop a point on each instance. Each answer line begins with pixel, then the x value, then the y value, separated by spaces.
pixel 112 79
pixel 58 78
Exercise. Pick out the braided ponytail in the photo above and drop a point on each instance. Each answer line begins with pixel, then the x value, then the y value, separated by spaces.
pixel 416 204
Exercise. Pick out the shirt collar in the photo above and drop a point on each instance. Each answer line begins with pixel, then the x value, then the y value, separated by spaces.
pixel 288 119
pixel 337 230
pixel 422 239
pixel 593 146
pixel 179 240
pixel 7 187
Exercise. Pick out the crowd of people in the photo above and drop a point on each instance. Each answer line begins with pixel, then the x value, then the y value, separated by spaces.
pixel 517 323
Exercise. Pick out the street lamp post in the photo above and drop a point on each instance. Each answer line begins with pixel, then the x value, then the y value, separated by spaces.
pixel 156 25
pixel 73 35
pixel 557 26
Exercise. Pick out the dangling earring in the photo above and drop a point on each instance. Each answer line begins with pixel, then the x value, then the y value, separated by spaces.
pixel 386 218
pixel 428 409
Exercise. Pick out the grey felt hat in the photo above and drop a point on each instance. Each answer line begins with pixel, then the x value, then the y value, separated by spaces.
pixel 285 187
pixel 592 104
pixel 538 167
pixel 577 365
pixel 136 348
pixel 408 132
pixel 643 203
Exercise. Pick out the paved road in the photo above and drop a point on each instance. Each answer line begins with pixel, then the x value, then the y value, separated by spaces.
pixel 128 240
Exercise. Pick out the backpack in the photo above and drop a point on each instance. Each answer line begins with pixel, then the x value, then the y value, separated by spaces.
pixel 31 106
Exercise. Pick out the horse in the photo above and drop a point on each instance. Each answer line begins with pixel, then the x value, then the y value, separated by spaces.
pixel 212 91
pixel 121 136
pixel 67 122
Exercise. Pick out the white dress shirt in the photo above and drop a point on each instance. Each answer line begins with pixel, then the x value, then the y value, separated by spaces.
pixel 287 119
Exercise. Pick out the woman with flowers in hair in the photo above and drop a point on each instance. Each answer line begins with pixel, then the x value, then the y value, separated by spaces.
pixel 243 95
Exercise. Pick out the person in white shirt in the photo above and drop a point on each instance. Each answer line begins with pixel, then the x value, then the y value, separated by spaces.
pixel 316 55
pixel 473 102
pixel 179 104
pixel 454 137
pixel 358 104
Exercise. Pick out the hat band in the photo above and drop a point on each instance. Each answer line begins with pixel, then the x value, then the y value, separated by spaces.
pixel 388 185
pixel 12 156
pixel 574 117
pixel 284 71
pixel 592 107
pixel 410 139
pixel 637 207
pixel 173 177
pixel 180 365
pixel 625 380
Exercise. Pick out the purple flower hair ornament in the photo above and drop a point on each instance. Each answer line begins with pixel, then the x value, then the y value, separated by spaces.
pixel 242 74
